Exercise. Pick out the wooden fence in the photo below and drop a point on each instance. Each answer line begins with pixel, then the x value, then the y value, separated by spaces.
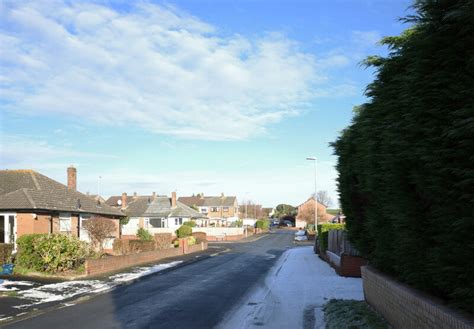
pixel 339 244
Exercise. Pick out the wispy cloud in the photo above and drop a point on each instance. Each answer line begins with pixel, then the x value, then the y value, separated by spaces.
pixel 153 67
pixel 365 39
pixel 27 152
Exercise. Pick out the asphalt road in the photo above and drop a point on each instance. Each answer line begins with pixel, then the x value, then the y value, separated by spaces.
pixel 194 296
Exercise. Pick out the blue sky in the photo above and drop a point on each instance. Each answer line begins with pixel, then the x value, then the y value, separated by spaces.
pixel 192 96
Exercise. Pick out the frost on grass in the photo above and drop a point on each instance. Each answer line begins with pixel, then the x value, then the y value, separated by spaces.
pixel 352 314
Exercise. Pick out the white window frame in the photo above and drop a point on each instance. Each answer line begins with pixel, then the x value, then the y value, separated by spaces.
pixel 204 210
pixel 216 209
pixel 65 217
pixel 178 221
pixel 7 227
pixel 146 223
pixel 225 209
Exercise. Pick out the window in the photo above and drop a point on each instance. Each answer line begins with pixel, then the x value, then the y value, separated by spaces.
pixel 158 222
pixel 225 209
pixel 214 209
pixel 178 221
pixel 204 210
pixel 64 222
pixel 147 222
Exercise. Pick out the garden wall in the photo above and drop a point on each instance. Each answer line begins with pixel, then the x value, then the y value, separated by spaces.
pixel 405 307
pixel 114 263
pixel 222 233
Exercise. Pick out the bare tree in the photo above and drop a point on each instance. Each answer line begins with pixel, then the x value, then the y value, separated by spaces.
pixel 99 229
pixel 324 198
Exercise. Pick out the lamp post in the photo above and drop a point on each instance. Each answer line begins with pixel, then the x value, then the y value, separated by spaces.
pixel 315 192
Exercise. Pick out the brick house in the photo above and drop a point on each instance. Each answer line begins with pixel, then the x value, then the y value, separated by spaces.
pixel 306 213
pixel 33 203
pixel 220 210
pixel 156 213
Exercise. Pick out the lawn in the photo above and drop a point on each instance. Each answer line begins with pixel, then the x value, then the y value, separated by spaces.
pixel 352 314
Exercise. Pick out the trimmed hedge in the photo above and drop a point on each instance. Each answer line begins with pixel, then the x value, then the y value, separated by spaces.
pixel 137 246
pixel 6 250
pixel 144 234
pixel 190 223
pixel 406 179
pixel 184 231
pixel 51 252
pixel 262 224
pixel 163 240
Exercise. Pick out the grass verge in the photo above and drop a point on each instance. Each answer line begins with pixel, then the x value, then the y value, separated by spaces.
pixel 352 314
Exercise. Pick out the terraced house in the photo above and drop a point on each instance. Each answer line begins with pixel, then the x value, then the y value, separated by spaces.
pixel 220 210
pixel 33 203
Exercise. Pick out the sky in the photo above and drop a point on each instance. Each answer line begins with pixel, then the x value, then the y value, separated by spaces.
pixel 189 96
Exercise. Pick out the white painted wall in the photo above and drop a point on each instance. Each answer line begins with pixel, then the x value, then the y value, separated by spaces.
pixel 131 227
pixel 220 230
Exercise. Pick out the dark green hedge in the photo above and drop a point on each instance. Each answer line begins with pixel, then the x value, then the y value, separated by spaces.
pixel 406 162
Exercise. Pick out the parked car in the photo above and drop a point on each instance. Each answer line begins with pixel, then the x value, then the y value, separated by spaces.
pixel 288 223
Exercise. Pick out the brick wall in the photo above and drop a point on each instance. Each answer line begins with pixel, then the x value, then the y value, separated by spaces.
pixel 27 224
pixel 114 263
pixel 404 307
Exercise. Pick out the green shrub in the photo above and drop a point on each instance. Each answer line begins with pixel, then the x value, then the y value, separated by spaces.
pixel 144 235
pixel 184 231
pixel 405 162
pixel 121 246
pixel 310 229
pixel 5 253
pixel 137 246
pixel 191 240
pixel 51 252
pixel 262 224
pixel 190 223
pixel 26 255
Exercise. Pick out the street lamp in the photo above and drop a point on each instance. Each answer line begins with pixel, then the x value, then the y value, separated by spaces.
pixel 315 193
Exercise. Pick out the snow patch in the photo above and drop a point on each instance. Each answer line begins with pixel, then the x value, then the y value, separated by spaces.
pixel 142 271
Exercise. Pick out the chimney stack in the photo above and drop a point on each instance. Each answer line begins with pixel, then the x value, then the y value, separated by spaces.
pixel 71 178
pixel 124 200
pixel 134 194
pixel 173 200
pixel 154 195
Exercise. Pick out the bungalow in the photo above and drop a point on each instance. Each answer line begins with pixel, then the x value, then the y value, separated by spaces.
pixel 33 203
pixel 155 213
pixel 220 210
pixel 306 213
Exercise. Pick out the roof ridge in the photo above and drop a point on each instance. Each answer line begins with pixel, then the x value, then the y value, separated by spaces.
pixel 27 195
pixel 35 181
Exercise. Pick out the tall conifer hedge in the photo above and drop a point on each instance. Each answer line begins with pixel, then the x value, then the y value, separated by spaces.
pixel 405 163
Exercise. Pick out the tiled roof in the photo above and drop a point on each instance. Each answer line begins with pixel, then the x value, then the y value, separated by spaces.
pixel 158 206
pixel 30 190
pixel 208 201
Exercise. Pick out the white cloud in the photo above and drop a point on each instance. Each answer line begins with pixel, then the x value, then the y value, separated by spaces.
pixel 153 67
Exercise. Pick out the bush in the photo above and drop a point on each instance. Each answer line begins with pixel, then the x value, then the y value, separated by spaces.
pixel 191 240
pixel 144 235
pixel 184 231
pixel 163 240
pixel 121 247
pixel 190 223
pixel 405 162
pixel 6 250
pixel 26 255
pixel 262 224
pixel 51 252
pixel 137 246
pixel 200 236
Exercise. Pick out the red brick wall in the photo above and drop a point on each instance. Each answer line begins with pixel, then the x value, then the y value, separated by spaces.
pixel 405 307
pixel 350 266
pixel 26 224
pixel 114 263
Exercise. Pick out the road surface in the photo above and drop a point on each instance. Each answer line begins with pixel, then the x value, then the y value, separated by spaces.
pixel 194 296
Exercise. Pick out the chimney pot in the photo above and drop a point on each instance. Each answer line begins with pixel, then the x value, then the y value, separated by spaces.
pixel 71 178
pixel 173 200
pixel 124 200
pixel 135 194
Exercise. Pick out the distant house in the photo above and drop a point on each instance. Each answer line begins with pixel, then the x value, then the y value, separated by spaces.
pixel 220 210
pixel 306 213
pixel 155 213
pixel 33 203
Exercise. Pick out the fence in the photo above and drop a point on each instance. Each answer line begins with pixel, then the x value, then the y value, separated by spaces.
pixel 339 244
